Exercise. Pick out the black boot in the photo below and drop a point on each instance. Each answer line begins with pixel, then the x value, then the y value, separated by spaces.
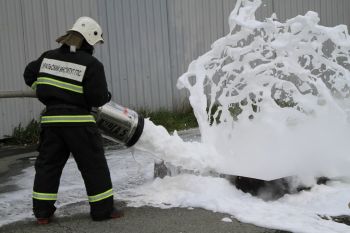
pixel 115 213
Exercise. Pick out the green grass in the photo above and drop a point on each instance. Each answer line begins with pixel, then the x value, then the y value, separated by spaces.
pixel 27 135
pixel 172 120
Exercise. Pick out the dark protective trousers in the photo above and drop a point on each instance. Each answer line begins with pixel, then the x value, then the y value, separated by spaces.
pixel 85 144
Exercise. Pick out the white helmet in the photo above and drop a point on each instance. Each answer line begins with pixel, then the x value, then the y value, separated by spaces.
pixel 89 29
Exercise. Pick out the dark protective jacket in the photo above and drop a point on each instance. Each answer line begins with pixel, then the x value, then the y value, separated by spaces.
pixel 69 84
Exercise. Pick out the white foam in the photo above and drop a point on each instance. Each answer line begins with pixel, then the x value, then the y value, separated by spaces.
pixel 297 213
pixel 300 62
pixel 226 219
pixel 132 182
pixel 311 142
pixel 126 172
pixel 258 63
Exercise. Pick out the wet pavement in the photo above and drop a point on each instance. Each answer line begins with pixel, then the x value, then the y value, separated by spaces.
pixel 13 165
pixel 143 219
pixel 75 218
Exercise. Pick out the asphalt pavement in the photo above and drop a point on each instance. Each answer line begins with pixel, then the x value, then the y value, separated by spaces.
pixel 143 220
pixel 75 218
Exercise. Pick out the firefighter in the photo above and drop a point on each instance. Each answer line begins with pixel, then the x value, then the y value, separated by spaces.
pixel 69 81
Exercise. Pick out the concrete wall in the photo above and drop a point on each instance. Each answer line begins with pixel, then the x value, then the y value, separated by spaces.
pixel 149 43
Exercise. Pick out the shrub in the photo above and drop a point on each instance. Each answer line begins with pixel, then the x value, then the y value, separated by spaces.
pixel 25 135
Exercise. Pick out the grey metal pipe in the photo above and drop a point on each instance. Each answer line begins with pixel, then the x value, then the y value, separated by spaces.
pixel 18 94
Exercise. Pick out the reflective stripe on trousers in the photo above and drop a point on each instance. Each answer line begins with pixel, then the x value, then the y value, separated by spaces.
pixel 67 119
pixel 58 84
pixel 101 196
pixel 45 196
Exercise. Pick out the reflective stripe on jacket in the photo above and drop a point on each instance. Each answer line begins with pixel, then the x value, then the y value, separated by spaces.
pixel 67 119
pixel 58 84
pixel 62 77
